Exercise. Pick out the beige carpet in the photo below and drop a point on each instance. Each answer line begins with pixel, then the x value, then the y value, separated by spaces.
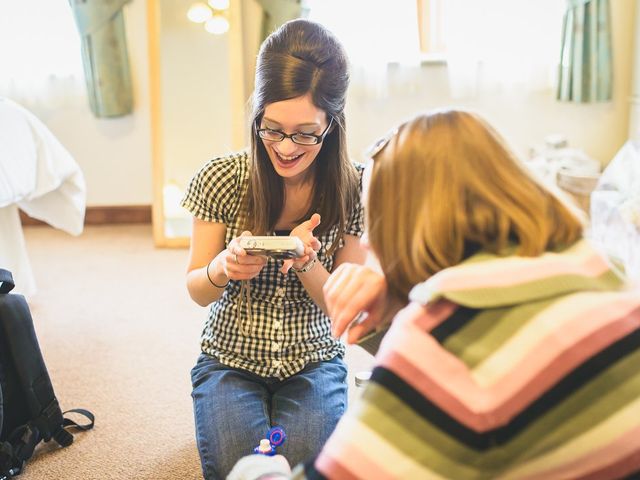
pixel 119 335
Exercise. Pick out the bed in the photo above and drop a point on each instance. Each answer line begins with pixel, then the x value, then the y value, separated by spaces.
pixel 39 176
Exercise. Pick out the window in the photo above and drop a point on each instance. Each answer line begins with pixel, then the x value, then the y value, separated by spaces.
pixel 39 52
pixel 487 44
pixel 365 26
pixel 501 44
pixel 430 15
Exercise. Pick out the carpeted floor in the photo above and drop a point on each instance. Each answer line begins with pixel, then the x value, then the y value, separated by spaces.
pixel 119 335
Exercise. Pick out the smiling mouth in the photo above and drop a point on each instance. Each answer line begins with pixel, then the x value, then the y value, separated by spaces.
pixel 288 158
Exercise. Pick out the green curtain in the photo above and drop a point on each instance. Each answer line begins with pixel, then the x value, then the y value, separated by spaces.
pixel 586 57
pixel 104 56
pixel 277 12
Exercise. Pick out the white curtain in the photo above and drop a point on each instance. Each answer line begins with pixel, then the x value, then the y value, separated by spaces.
pixel 40 59
pixel 374 34
pixel 499 45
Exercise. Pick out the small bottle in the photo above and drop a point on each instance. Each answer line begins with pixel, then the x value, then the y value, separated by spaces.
pixel 265 448
pixel 362 378
pixel 275 438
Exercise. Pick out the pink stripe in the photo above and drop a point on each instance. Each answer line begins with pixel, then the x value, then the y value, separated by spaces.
pixel 623 469
pixel 331 468
pixel 454 280
pixel 551 360
pixel 432 390
pixel 614 460
pixel 425 318
pixel 453 389
pixel 344 460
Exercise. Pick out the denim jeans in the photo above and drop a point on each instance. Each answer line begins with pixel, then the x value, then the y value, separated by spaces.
pixel 235 408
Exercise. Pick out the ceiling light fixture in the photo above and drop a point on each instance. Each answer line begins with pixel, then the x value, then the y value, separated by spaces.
pixel 213 14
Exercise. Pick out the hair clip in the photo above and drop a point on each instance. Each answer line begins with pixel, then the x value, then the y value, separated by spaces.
pixel 379 144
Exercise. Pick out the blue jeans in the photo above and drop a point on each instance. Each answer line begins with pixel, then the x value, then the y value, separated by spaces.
pixel 235 408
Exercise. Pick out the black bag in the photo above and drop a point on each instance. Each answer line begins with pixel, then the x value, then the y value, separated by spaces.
pixel 29 410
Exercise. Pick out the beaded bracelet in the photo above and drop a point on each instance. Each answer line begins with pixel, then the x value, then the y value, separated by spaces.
pixel 214 283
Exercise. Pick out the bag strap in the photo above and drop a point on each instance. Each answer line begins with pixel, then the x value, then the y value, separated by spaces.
pixel 20 445
pixel 6 281
pixel 63 436
pixel 49 423
pixel 8 469
pixel 68 423
pixel 18 449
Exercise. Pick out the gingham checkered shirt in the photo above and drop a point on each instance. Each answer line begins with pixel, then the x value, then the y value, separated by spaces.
pixel 288 330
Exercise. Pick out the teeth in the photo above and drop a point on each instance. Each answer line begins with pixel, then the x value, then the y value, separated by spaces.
pixel 288 159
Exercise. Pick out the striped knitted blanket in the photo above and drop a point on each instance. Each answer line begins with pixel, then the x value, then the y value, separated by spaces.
pixel 502 367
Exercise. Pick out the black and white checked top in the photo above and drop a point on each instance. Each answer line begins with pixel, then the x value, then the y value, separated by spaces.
pixel 287 329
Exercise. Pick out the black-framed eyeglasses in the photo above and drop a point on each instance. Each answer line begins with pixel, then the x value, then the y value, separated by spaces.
pixel 299 138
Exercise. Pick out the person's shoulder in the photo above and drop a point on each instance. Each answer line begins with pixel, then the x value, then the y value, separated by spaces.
pixel 224 165
pixel 357 169
pixel 359 172
pixel 230 160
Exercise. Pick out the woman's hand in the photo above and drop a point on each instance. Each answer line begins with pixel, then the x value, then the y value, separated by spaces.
pixel 237 264
pixel 350 292
pixel 304 232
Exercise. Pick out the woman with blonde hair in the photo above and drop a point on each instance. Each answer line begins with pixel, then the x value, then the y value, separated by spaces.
pixel 517 354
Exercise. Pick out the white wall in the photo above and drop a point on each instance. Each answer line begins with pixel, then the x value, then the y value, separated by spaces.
pixel 115 153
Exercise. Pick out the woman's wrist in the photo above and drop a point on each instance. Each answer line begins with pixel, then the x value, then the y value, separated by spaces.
pixel 212 277
pixel 306 267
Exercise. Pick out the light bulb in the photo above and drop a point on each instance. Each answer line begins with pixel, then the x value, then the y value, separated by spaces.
pixel 219 4
pixel 217 25
pixel 199 12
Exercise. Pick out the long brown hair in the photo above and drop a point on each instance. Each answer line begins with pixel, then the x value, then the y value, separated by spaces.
pixel 301 58
pixel 445 186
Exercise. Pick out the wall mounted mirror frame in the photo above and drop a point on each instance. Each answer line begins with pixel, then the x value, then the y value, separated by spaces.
pixel 180 115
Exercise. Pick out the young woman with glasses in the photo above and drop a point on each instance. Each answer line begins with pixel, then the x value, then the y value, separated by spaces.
pixel 268 356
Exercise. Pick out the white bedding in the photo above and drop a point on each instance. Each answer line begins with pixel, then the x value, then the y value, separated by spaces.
pixel 38 175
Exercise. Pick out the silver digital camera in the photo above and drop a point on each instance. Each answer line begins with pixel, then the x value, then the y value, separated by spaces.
pixel 275 247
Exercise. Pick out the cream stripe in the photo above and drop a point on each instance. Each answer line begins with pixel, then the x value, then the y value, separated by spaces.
pixel 374 447
pixel 552 319
pixel 593 439
pixel 502 268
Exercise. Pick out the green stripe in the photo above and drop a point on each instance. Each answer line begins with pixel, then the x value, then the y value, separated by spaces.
pixel 489 330
pixel 535 290
pixel 591 404
pixel 436 450
pixel 410 433
pixel 510 252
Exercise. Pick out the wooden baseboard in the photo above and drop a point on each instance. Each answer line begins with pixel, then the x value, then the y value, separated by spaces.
pixel 107 215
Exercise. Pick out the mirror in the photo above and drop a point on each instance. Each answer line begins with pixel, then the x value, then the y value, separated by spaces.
pixel 198 97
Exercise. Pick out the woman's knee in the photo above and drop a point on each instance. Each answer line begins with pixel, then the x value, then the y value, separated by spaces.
pixel 231 415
